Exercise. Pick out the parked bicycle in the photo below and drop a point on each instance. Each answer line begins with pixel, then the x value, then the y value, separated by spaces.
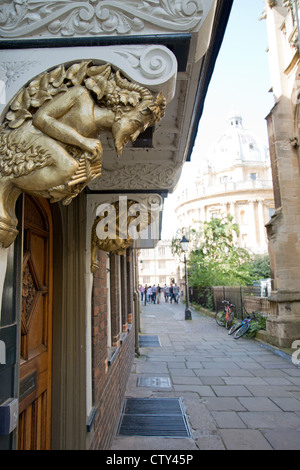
pixel 225 318
pixel 240 329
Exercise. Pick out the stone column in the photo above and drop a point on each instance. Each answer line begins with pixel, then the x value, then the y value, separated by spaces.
pixel 252 223
pixel 261 222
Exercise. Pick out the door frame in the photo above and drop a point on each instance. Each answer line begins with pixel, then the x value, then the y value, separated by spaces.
pixel 68 414
pixel 45 209
pixel 69 327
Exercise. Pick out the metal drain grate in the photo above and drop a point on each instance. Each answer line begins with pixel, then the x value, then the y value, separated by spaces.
pixel 149 341
pixel 159 382
pixel 156 417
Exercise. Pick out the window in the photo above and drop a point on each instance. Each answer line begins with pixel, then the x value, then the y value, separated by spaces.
pixel 161 251
pixel 146 280
pixel 162 264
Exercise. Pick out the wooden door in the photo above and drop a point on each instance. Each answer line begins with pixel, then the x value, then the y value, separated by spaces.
pixel 36 328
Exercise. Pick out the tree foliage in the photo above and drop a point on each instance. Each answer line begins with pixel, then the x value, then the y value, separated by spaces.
pixel 215 259
pixel 259 267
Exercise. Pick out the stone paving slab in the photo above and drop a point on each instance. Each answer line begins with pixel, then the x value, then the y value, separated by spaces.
pixel 244 439
pixel 237 394
pixel 258 404
pixel 284 439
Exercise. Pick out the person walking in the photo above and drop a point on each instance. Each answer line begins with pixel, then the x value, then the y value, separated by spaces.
pixel 142 290
pixel 149 294
pixel 166 292
pixel 145 294
pixel 158 293
pixel 171 293
pixel 176 293
pixel 154 291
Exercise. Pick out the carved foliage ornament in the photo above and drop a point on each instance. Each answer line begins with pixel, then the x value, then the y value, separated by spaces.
pixel 49 140
pixel 23 18
pixel 112 230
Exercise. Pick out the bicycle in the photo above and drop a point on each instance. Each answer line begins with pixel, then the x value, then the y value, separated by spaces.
pixel 226 317
pixel 240 329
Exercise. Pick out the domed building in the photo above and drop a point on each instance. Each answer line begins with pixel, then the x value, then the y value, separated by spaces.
pixel 233 178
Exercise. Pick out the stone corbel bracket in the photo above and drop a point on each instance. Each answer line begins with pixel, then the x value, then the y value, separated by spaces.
pixel 152 66
pixel 155 66
pixel 122 213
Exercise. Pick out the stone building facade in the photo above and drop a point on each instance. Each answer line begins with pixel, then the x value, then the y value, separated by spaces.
pixel 234 177
pixel 283 129
pixel 158 265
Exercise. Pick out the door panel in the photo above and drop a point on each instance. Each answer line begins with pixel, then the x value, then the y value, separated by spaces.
pixel 36 327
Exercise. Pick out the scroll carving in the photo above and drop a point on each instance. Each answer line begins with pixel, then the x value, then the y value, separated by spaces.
pixel 24 18
pixel 49 140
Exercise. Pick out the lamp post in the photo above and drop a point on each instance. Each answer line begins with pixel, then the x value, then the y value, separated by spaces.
pixel 184 246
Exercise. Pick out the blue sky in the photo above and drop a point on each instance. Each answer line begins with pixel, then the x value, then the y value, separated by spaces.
pixel 241 77
pixel 241 80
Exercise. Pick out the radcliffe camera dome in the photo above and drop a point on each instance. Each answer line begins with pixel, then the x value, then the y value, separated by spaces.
pixel 236 146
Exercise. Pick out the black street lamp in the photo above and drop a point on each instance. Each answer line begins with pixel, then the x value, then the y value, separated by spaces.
pixel 184 246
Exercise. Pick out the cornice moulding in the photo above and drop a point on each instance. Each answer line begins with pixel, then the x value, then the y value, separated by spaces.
pixel 72 18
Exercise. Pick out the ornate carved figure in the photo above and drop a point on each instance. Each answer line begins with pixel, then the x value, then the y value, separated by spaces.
pixel 49 140
pixel 122 236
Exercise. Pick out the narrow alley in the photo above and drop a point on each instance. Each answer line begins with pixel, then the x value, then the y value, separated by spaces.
pixel 234 394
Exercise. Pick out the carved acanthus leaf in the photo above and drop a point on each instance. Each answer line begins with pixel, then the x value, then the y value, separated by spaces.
pixel 23 18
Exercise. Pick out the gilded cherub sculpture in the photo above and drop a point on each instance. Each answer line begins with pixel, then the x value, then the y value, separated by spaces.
pixel 49 139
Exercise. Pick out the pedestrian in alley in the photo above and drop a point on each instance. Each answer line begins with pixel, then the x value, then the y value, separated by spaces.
pixel 149 294
pixel 166 293
pixel 145 294
pixel 171 290
pixel 142 290
pixel 158 293
pixel 176 293
pixel 154 291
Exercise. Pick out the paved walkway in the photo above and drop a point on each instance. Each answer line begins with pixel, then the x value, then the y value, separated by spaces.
pixel 237 394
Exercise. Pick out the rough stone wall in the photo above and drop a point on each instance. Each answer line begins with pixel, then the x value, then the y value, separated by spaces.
pixel 284 228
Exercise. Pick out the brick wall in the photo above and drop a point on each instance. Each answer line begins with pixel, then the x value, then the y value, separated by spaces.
pixel 111 366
